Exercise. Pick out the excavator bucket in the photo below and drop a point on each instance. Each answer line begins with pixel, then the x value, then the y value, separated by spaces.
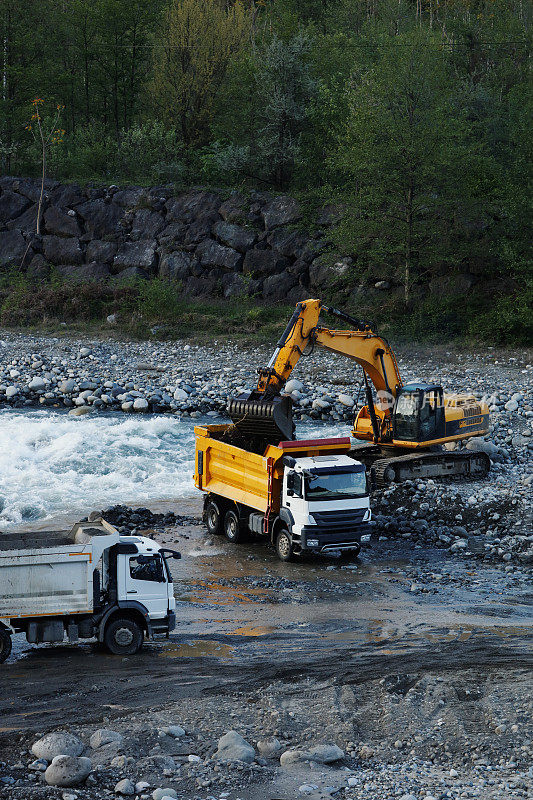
pixel 270 420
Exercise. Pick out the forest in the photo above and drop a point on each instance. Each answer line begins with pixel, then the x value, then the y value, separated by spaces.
pixel 412 116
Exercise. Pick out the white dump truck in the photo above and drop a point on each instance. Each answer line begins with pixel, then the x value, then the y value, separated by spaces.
pixel 84 583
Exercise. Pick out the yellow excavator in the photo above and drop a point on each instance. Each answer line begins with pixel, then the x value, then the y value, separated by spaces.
pixel 402 431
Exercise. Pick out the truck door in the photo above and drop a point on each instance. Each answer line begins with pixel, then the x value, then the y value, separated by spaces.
pixel 146 582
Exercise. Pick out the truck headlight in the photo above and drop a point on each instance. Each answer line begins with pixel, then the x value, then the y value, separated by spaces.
pixel 312 542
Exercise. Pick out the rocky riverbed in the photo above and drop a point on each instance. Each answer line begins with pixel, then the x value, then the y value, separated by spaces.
pixel 487 519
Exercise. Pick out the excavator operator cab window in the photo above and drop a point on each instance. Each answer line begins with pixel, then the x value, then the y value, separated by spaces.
pixel 419 414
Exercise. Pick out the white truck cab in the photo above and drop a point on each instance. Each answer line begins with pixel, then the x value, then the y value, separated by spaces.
pixel 325 500
pixel 87 582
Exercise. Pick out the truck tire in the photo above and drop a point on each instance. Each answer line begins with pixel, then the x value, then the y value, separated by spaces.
pixel 123 636
pixel 284 545
pixel 5 645
pixel 213 518
pixel 232 526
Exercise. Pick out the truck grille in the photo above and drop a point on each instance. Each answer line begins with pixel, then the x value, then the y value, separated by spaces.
pixel 339 521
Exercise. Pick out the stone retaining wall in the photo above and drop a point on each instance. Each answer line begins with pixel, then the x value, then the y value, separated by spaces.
pixel 214 245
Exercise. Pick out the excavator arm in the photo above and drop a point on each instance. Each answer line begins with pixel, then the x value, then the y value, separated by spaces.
pixel 264 411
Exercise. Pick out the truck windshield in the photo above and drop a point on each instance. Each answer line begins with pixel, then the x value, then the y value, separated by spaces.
pixel 335 485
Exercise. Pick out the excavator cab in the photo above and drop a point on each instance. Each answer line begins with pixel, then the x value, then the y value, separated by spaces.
pixel 419 413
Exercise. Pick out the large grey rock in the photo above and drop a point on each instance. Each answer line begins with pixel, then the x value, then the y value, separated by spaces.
pixel 233 209
pixel 191 205
pixel 325 273
pixel 129 198
pixel 125 787
pixel 59 223
pixel 146 224
pixel 159 794
pixel 27 222
pixel 67 196
pixel 172 235
pixel 102 252
pixel 68 771
pixel 212 254
pixel 58 250
pixel 294 756
pixel 200 286
pixel 55 744
pixel 12 248
pixel 200 229
pixel 12 205
pixel 235 236
pixel 104 736
pixel 176 266
pixel 263 262
pixel 233 285
pixel 38 268
pixel 84 273
pixel 269 748
pixel 277 287
pixel 101 219
pixel 478 443
pixel 288 243
pixel 282 210
pixel 232 747
pixel 135 254
pixel 326 753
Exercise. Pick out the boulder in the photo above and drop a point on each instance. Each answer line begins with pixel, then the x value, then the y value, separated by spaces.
pixel 269 748
pixel 146 224
pixel 12 248
pixel 232 747
pixel 68 771
pixel 176 266
pixel 263 262
pixel 60 223
pixel 104 736
pixel 235 236
pixel 67 196
pixel 172 235
pixel 326 753
pixel 294 756
pixel 125 787
pixel 478 443
pixel 212 254
pixel 277 287
pixel 57 743
pixel 233 209
pixel 324 272
pixel 12 205
pixel 84 273
pixel 102 252
pixel 27 222
pixel 58 250
pixel 129 198
pixel 201 287
pixel 200 229
pixel 190 206
pixel 289 243
pixel 135 254
pixel 282 210
pixel 160 794
pixel 102 220
pixel 233 285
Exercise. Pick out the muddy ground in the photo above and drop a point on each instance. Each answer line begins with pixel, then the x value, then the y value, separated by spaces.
pixel 415 662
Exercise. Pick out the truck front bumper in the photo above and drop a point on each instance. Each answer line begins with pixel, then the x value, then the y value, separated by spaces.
pixel 322 540
pixel 165 624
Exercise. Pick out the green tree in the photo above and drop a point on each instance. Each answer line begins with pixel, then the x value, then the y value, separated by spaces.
pixel 409 174
pixel 195 46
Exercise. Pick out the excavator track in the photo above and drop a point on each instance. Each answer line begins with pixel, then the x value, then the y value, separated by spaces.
pixel 466 464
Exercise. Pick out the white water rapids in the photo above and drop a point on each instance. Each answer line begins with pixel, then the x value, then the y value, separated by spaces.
pixel 53 465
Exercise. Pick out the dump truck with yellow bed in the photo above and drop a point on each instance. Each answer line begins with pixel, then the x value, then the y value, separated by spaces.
pixel 306 495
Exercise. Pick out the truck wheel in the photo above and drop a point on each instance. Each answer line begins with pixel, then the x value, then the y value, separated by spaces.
pixel 213 518
pixel 5 645
pixel 232 526
pixel 123 637
pixel 284 545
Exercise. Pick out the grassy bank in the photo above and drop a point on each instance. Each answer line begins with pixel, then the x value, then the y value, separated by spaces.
pixel 158 309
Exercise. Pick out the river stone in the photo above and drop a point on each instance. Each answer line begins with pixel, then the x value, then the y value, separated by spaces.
pixel 294 756
pixel 67 771
pixel 294 385
pixel 104 736
pixel 346 400
pixel 511 405
pixel 477 443
pixel 176 731
pixel 67 386
pixel 125 787
pixel 269 748
pixel 180 394
pixel 159 794
pixel 37 384
pixel 140 404
pixel 326 753
pixel 232 747
pixel 56 744
pixel 11 391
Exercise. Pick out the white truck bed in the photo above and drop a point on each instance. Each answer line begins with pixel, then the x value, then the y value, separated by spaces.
pixel 50 573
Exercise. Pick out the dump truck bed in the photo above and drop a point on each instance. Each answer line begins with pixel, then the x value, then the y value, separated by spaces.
pixel 50 573
pixel 251 479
